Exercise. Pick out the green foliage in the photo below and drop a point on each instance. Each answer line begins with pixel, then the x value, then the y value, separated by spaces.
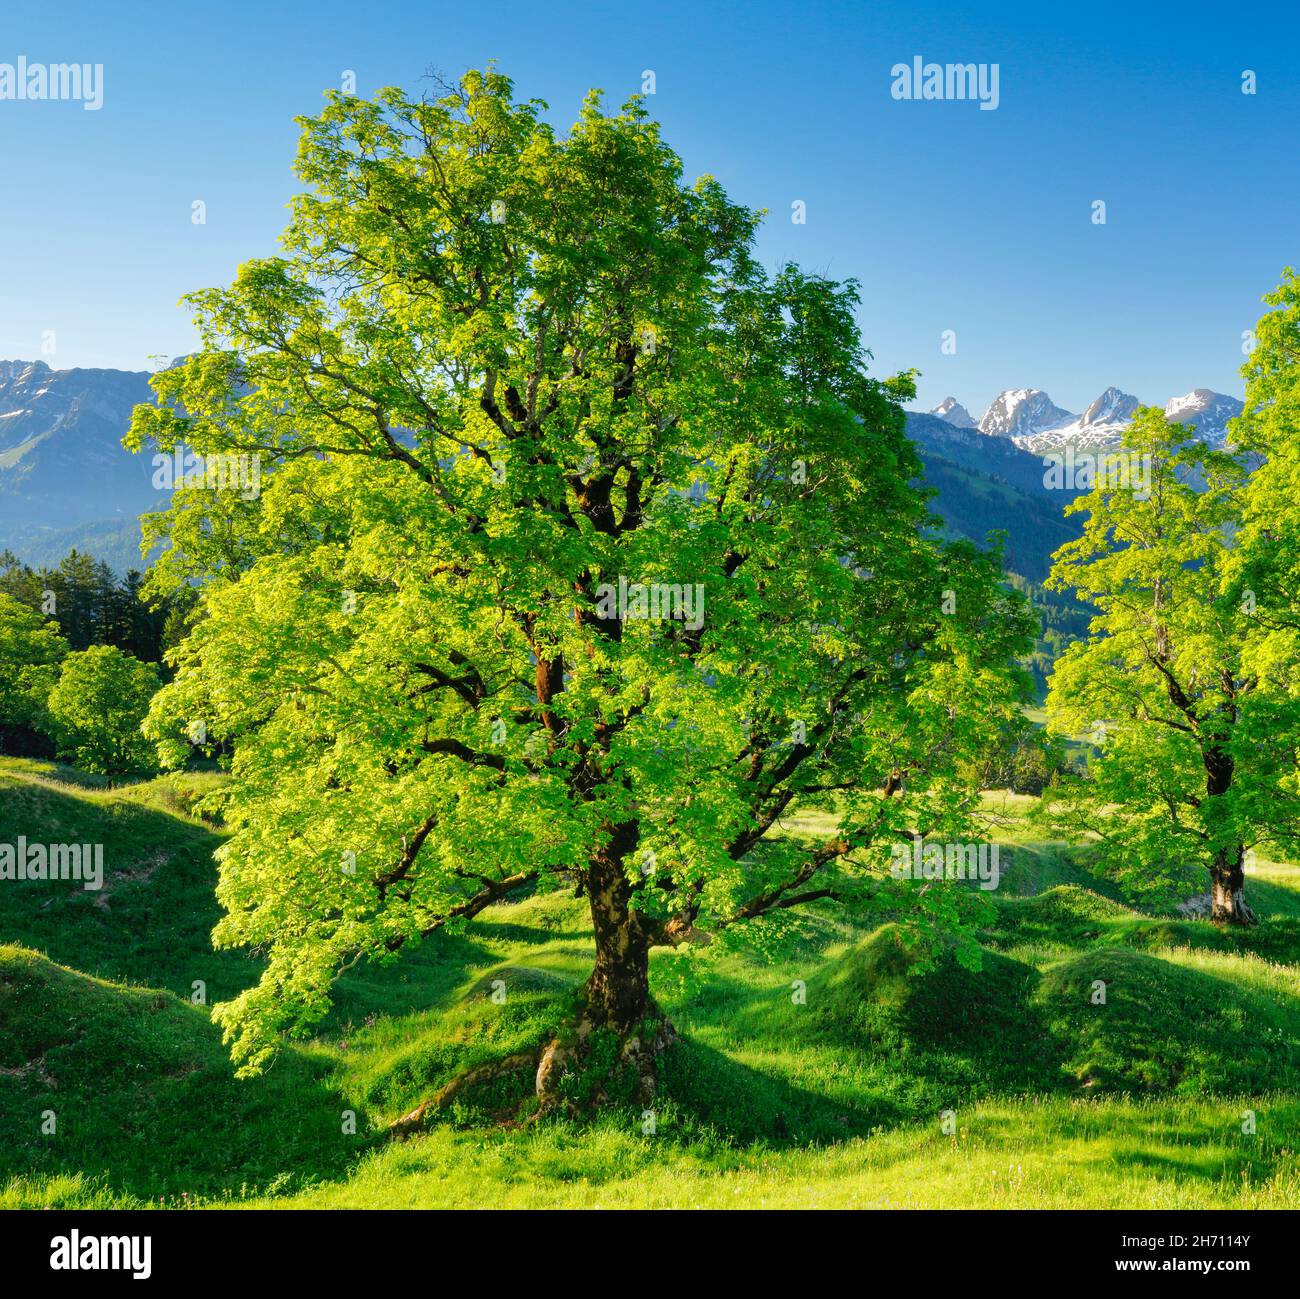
pixel 97 706
pixel 1268 546
pixel 1020 756
pixel 497 372
pixel 1195 733
pixel 30 654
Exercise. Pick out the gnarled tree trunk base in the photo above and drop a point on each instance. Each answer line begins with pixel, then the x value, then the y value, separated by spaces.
pixel 1228 906
pixel 591 1067
pixel 582 1069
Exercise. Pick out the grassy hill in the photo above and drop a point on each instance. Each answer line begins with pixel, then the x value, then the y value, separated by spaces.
pixel 835 1099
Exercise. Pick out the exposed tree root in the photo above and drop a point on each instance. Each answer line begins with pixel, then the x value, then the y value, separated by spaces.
pixel 606 1066
pixel 577 1071
pixel 482 1073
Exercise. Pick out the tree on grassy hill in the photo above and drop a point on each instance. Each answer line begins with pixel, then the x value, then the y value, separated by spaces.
pixel 97 707
pixel 1196 735
pixel 586 551
pixel 30 653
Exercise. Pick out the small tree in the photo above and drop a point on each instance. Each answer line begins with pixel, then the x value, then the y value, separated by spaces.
pixel 1195 734
pixel 586 550
pixel 30 653
pixel 97 707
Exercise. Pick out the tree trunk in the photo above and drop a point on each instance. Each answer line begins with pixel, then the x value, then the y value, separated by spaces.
pixel 609 1053
pixel 618 991
pixel 616 1003
pixel 1227 889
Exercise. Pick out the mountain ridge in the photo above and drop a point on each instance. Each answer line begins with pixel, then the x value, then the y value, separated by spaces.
pixel 1030 419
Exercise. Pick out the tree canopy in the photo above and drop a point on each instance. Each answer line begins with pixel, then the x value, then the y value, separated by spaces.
pixel 587 550
pixel 30 653
pixel 97 706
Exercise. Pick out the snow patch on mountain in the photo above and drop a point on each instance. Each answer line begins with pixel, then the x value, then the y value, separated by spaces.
pixel 1021 412
pixel 955 413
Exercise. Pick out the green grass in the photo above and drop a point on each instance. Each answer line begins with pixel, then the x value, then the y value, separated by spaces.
pixel 817 1079
pixel 1038 1154
pixel 132 1085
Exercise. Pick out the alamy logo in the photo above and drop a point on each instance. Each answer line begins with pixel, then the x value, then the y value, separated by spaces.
pixel 227 471
pixel 1081 471
pixel 947 861
pixel 626 600
pixel 77 1253
pixel 40 81
pixel 55 861
pixel 921 80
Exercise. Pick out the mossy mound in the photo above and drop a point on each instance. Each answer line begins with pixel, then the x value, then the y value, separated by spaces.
pixel 1165 1026
pixel 1155 935
pixel 142 1092
pixel 511 979
pixel 1067 914
pixel 932 1009
pixel 1029 871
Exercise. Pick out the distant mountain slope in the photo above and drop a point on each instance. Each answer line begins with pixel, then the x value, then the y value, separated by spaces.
pixel 998 457
pixel 984 484
pixel 115 541
pixel 65 478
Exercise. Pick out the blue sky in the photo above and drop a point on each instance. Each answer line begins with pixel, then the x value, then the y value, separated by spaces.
pixel 953 218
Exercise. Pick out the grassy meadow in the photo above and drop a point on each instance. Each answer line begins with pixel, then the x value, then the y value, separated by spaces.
pixel 835 1098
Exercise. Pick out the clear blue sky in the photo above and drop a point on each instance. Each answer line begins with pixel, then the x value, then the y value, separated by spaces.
pixel 953 218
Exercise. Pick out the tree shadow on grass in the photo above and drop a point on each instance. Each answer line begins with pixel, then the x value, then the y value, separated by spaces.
pixel 1207 1165
pixel 1161 1137
pixel 707 1090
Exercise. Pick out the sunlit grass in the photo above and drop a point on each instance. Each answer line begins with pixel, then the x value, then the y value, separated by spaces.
pixel 831 1098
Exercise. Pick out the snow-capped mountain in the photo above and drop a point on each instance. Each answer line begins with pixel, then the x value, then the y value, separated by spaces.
pixel 1020 412
pixel 955 413
pixel 1111 407
pixel 1208 411
pixel 1029 418
pixel 1101 425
